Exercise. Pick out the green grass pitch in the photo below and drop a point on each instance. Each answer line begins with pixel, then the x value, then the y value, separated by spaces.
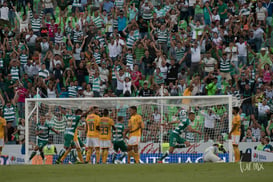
pixel 229 172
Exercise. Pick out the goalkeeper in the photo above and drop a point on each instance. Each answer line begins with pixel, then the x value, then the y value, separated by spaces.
pixel 175 135
pixel 210 154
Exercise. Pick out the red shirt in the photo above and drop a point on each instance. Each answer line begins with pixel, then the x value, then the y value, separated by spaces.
pixel 134 75
pixel 22 93
pixel 52 29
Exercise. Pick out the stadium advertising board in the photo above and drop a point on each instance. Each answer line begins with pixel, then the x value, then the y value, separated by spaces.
pixel 261 156
pixel 149 153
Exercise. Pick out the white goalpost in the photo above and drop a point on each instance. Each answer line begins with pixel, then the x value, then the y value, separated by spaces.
pixel 155 111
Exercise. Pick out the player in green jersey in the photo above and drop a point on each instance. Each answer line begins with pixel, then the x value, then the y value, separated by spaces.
pixel 176 141
pixel 71 136
pixel 42 131
pixel 118 141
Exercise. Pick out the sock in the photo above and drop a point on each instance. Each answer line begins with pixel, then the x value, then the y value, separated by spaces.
pixel 42 155
pixel 136 157
pixel 98 155
pixel 164 156
pixel 122 156
pixel 80 154
pixel 236 153
pixel 114 157
pixel 130 154
pixel 61 153
pixel 88 155
pixel 104 155
pixel 73 155
pixel 32 155
pixel 65 154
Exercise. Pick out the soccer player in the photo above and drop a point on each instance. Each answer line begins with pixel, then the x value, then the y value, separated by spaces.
pixel 93 122
pixel 235 132
pixel 135 128
pixel 118 140
pixel 71 136
pixel 42 131
pixel 105 134
pixel 3 131
pixel 210 154
pixel 175 135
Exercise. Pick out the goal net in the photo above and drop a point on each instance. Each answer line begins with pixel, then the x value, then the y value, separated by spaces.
pixel 161 116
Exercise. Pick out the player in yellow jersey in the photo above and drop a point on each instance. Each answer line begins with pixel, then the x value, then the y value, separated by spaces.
pixel 92 123
pixel 135 128
pixel 105 135
pixel 3 132
pixel 235 132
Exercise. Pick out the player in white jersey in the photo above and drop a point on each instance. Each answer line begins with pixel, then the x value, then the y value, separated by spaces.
pixel 210 154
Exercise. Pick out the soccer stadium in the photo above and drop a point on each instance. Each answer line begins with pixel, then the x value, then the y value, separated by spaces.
pixel 136 90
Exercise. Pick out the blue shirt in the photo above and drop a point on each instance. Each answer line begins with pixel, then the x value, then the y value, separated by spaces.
pixel 269 8
pixel 121 23
pixel 107 6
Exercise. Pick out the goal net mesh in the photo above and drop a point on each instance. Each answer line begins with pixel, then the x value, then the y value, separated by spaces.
pixel 155 112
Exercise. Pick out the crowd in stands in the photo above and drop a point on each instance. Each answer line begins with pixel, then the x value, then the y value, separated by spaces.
pixel 138 48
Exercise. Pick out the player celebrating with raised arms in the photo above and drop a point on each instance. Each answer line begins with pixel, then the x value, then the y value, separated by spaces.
pixel 42 131
pixel 93 123
pixel 235 132
pixel 71 135
pixel 175 135
pixel 210 154
pixel 118 140
pixel 106 126
pixel 135 128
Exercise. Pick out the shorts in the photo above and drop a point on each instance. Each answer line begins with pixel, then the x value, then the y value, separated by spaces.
pixel 119 145
pixel 105 144
pixel 175 138
pixel 42 143
pixel 210 157
pixel 225 75
pixel 134 140
pixel 269 21
pixel 68 140
pixel 92 142
pixel 1 142
pixel 235 139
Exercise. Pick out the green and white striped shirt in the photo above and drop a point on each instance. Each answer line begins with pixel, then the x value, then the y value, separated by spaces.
pixel 72 91
pixel 1 63
pixel 23 59
pixel 36 23
pixel 96 84
pixel 9 113
pixel 114 77
pixel 43 73
pixel 118 133
pixel 97 56
pixel 162 36
pixel 179 53
pixel 72 124
pixel 14 71
pixel 129 59
pixel 98 21
pixel 181 126
pixel 225 65
pixel 130 41
pixel 45 128
pixel 59 125
pixel 119 3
